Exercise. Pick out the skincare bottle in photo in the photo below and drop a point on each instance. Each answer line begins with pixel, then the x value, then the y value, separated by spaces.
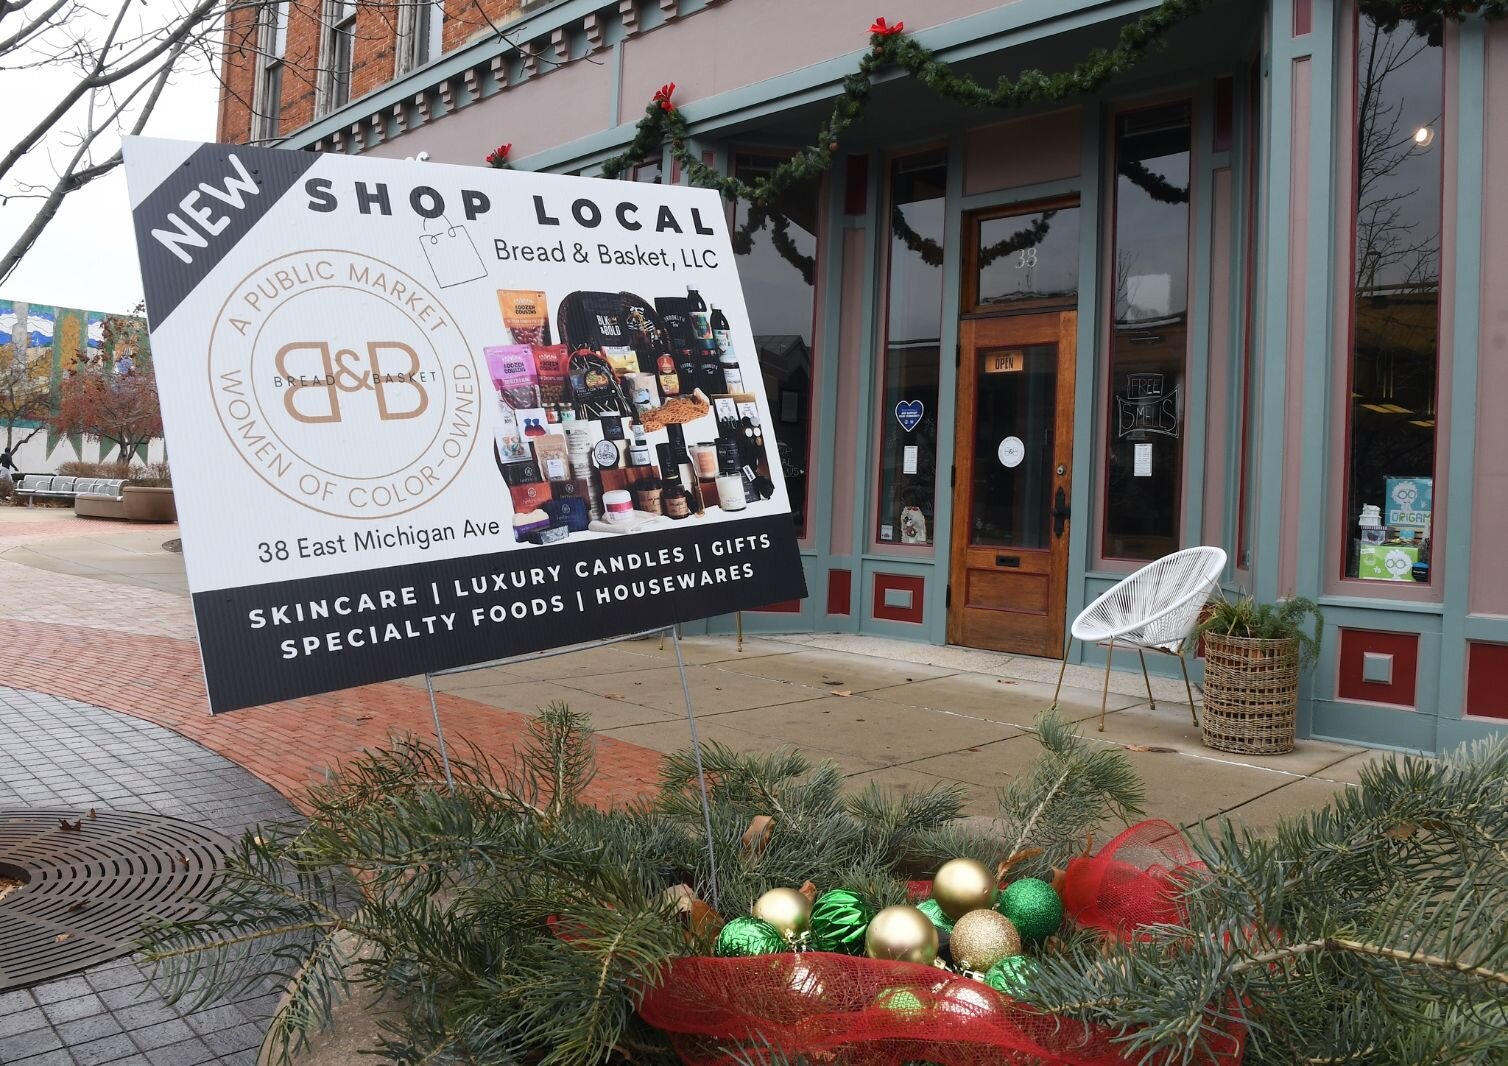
pixel 727 358
pixel 638 451
pixel 701 322
pixel 684 467
pixel 675 501
pixel 730 483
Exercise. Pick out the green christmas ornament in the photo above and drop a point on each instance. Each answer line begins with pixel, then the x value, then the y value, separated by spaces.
pixel 748 936
pixel 839 918
pixel 1011 974
pixel 933 910
pixel 901 1001
pixel 1033 908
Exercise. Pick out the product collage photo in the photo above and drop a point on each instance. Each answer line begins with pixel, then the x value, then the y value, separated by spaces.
pixel 623 415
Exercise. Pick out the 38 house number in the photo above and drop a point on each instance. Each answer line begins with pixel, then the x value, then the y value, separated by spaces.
pixel 1027 257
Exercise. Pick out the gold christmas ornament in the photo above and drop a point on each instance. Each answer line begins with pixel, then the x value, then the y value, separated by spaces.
pixel 786 909
pixel 902 934
pixel 963 885
pixel 982 938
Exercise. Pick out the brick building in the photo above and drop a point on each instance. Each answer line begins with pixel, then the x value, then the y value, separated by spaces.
pixel 287 63
pixel 1245 319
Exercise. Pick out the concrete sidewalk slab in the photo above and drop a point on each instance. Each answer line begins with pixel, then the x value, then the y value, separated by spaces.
pixel 886 733
pixel 978 802
pixel 712 691
pixel 990 766
pixel 1004 698
pixel 834 671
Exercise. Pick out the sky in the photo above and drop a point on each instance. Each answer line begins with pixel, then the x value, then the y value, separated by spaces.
pixel 86 257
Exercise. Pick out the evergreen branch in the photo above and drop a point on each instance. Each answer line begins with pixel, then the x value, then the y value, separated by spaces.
pixel 1331 943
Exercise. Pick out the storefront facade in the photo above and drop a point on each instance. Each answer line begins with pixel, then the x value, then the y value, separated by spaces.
pixel 1239 297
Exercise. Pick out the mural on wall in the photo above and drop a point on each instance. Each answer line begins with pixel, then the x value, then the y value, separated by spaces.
pixel 42 346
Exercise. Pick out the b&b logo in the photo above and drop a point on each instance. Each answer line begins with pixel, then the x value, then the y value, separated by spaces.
pixel 338 377
pixel 344 384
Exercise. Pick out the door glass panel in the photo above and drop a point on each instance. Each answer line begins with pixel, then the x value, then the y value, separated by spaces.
pixel 1031 258
pixel 1015 415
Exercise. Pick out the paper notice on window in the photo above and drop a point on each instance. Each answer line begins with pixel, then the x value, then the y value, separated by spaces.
pixel 1142 467
pixel 908 459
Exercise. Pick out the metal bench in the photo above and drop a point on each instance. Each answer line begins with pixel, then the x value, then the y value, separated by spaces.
pixel 52 487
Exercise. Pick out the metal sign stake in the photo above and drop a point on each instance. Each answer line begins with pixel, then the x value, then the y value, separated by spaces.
pixel 696 744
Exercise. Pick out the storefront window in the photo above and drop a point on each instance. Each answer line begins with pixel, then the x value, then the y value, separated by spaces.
pixel 777 264
pixel 1149 339
pixel 913 328
pixel 1027 260
pixel 1395 329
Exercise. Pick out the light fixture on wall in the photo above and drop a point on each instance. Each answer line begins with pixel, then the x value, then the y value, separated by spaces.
pixel 1424 136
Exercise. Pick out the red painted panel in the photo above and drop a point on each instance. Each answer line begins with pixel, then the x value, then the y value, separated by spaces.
pixel 1225 114
pixel 916 586
pixel 1303 17
pixel 856 185
pixel 1403 647
pixel 1487 680
pixel 783 607
pixel 839 591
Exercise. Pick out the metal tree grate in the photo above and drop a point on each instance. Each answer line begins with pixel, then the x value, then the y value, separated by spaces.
pixel 87 889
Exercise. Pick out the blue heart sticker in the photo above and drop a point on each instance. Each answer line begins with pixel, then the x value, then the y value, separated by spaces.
pixel 909 414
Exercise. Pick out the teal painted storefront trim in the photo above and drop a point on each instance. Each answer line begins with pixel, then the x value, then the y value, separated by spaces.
pixel 870 358
pixel 935 615
pixel 1084 515
pixel 1471 70
pixel 1270 377
pixel 1318 515
pixel 1373 725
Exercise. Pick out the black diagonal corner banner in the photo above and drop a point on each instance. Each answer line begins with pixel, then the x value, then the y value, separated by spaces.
pixel 278 641
pixel 168 276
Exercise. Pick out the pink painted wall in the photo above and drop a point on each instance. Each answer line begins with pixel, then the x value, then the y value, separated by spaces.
pixel 994 158
pixel 556 108
pixel 1298 278
pixel 1219 415
pixel 747 41
pixel 850 367
pixel 1489 562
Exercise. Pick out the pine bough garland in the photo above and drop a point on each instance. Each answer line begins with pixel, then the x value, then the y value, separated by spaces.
pixel 890 46
pixel 511 923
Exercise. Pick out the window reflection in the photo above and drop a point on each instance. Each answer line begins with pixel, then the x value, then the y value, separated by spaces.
pixel 1144 468
pixel 913 316
pixel 777 266
pixel 1028 259
pixel 1396 316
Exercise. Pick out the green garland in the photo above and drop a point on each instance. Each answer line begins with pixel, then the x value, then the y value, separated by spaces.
pixel 890 47
pixel 780 237
pixel 895 49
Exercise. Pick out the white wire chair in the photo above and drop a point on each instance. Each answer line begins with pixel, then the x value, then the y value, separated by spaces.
pixel 1154 609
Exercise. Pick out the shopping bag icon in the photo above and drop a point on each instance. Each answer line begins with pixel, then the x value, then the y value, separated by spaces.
pixel 451 255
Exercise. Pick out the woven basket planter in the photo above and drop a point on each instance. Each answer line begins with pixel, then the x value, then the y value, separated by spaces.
pixel 1251 694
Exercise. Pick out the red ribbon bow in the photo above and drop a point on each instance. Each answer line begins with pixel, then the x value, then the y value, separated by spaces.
pixel 498 154
pixel 879 29
pixel 663 94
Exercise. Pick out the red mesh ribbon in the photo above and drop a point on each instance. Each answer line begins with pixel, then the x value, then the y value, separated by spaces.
pixel 1132 882
pixel 863 1012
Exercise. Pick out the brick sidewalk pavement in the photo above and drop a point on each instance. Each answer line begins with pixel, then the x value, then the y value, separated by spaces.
pixel 130 649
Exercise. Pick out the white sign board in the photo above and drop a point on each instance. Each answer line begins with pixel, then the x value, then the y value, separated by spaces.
pixel 422 416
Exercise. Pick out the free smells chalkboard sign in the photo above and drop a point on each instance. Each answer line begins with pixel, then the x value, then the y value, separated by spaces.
pixel 423 416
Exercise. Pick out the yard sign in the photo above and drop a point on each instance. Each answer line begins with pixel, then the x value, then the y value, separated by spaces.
pixel 418 413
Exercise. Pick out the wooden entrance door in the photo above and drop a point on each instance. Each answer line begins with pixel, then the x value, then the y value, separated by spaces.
pixel 1012 483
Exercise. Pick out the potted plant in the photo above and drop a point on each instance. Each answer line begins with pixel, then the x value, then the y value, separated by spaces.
pixel 1253 653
